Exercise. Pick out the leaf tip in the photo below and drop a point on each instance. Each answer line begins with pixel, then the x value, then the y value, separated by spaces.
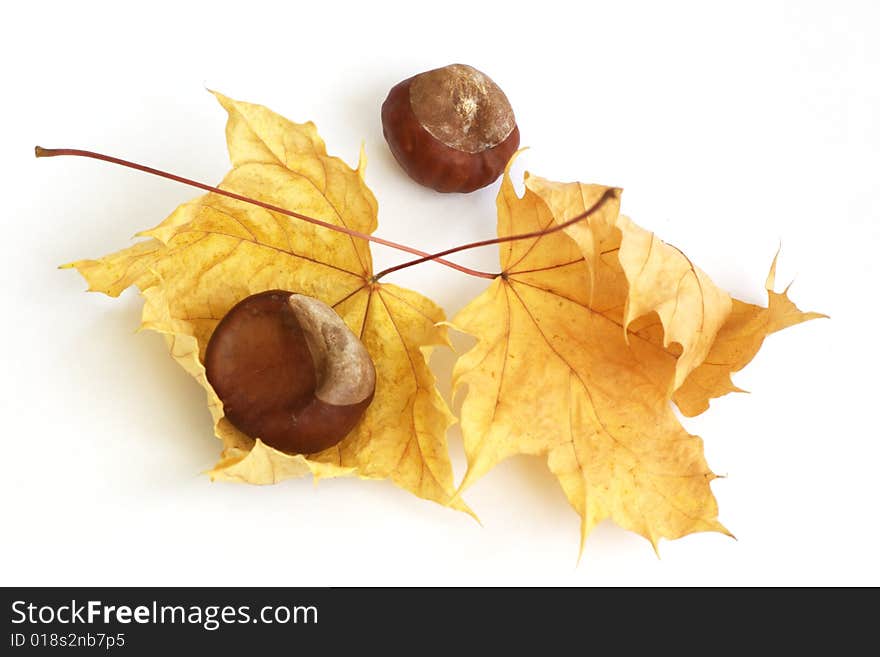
pixel 513 159
pixel 464 508
pixel 770 283
pixel 225 101
pixel 457 503
pixel 582 544
pixel 362 160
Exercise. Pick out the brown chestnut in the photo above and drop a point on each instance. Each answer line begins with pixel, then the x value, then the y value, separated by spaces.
pixel 451 129
pixel 289 371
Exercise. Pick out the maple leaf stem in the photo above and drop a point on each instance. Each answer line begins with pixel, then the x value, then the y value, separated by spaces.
pixel 610 193
pixel 39 151
pixel 424 256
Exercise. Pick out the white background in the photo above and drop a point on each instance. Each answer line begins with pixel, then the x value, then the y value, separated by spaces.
pixel 731 126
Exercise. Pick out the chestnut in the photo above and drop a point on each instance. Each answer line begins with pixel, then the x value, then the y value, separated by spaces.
pixel 451 129
pixel 289 371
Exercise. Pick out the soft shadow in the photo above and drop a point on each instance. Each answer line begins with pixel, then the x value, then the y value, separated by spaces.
pixel 119 363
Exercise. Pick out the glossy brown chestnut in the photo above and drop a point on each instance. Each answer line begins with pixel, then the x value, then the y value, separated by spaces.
pixel 289 371
pixel 451 129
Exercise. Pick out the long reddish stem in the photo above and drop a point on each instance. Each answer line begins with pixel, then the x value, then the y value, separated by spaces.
pixel 55 152
pixel 608 195
pixel 424 256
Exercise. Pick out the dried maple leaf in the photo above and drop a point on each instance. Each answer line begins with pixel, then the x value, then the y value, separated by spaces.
pixel 581 344
pixel 212 252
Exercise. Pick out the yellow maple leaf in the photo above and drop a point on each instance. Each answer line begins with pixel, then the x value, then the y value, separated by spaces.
pixel 581 344
pixel 212 252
